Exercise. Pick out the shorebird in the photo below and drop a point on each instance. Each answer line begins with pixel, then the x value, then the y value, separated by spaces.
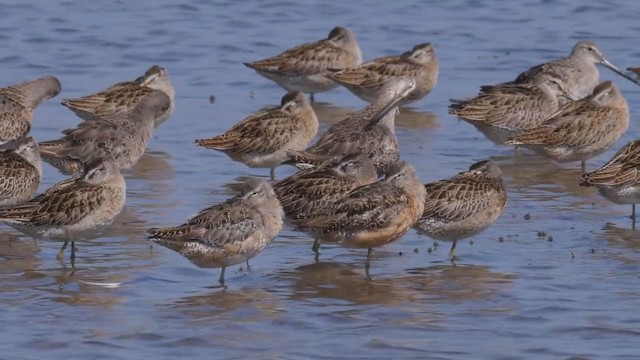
pixel 370 131
pixel 20 171
pixel 72 209
pixel 315 192
pixel 228 233
pixel 263 139
pixel 578 71
pixel 464 205
pixel 366 80
pixel 505 110
pixel 376 214
pixel 635 70
pixel 17 103
pixel 303 68
pixel 582 129
pixel 123 97
pixel 122 137
pixel 619 179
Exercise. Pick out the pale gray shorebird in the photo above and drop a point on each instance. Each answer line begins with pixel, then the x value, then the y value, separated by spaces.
pixel 315 192
pixel 578 71
pixel 464 205
pixel 263 139
pixel 582 129
pixel 619 179
pixel 370 131
pixel 505 110
pixel 20 171
pixel 122 137
pixel 366 80
pixel 376 214
pixel 123 97
pixel 18 102
pixel 229 233
pixel 304 67
pixel 72 209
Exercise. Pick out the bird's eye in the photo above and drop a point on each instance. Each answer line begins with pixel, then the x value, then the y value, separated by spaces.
pixel 591 48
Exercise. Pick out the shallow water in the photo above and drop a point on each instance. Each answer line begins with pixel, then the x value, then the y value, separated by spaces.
pixel 522 297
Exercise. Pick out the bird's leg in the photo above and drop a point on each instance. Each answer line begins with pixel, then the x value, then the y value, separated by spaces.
pixel 452 252
pixel 316 246
pixel 73 254
pixel 583 166
pixel 311 98
pixel 60 255
pixel 248 267
pixel 633 211
pixel 367 264
pixel 221 280
pixel 272 173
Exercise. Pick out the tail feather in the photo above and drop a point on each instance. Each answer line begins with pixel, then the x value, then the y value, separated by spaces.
pixel 222 142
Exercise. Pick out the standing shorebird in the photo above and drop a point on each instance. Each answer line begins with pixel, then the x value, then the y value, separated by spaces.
pixel 370 131
pixel 619 179
pixel 506 110
pixel 366 81
pixel 304 67
pixel 376 214
pixel 17 103
pixel 263 139
pixel 20 171
pixel 315 192
pixel 72 209
pixel 578 71
pixel 123 97
pixel 582 129
pixel 122 137
pixel 229 233
pixel 464 205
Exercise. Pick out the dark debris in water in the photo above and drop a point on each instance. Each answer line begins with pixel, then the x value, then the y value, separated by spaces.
pixel 527 216
pixel 542 234
pixel 212 99
pixel 550 239
pixel 501 239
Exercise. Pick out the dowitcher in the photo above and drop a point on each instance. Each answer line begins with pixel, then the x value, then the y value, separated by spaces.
pixel 72 209
pixel 228 233
pixel 123 97
pixel 582 129
pixel 263 139
pixel 304 67
pixel 20 171
pixel 505 110
pixel 17 103
pixel 619 179
pixel 376 214
pixel 370 131
pixel 314 192
pixel 122 137
pixel 578 71
pixel 366 80
pixel 464 205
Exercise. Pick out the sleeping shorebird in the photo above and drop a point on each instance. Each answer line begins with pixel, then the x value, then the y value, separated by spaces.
pixel 122 137
pixel 578 71
pixel 17 103
pixel 505 110
pixel 464 205
pixel 366 81
pixel 228 233
pixel 304 67
pixel 376 214
pixel 263 139
pixel 123 97
pixel 619 179
pixel 20 171
pixel 315 192
pixel 582 129
pixel 370 131
pixel 72 209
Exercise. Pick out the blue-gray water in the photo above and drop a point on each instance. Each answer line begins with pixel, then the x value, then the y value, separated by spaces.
pixel 524 297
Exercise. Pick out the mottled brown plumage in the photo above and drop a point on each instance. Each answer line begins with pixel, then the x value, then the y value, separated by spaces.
pixel 228 233
pixel 122 137
pixel 123 97
pixel 303 68
pixel 366 80
pixel 582 129
pixel 619 179
pixel 20 171
pixel 370 131
pixel 17 103
pixel 464 205
pixel 263 139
